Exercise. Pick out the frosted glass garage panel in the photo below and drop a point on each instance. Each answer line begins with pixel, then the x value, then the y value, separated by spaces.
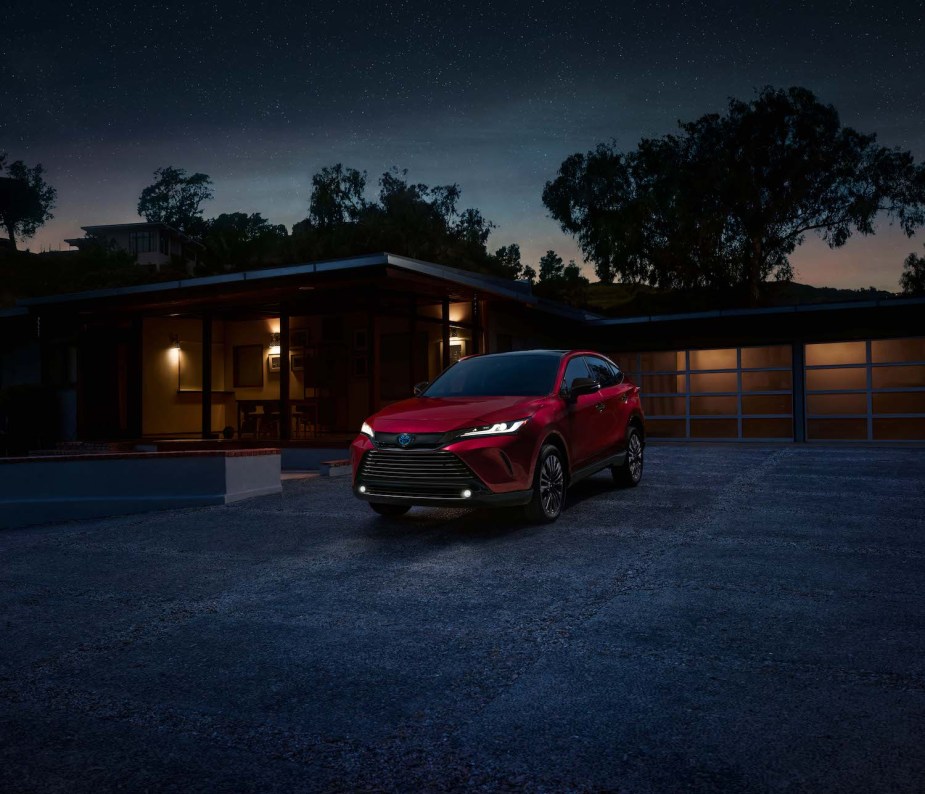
pixel 911 375
pixel 712 405
pixel 663 384
pixel 836 429
pixel 767 404
pixel 663 361
pixel 664 406
pixel 895 429
pixel 767 427
pixel 666 428
pixel 833 353
pixel 714 382
pixel 835 404
pixel 843 379
pixel 772 380
pixel 886 351
pixel 765 357
pixel 714 428
pixel 898 402
pixel 714 359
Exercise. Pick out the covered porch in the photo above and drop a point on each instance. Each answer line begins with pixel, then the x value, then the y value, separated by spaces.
pixel 296 356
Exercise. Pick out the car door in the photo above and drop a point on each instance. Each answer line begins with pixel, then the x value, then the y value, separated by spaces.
pixel 613 412
pixel 581 415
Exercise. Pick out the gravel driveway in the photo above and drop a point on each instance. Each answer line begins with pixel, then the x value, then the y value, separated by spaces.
pixel 748 619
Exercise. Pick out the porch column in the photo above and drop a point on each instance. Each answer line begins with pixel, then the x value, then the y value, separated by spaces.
pixel 412 341
pixel 446 333
pixel 476 325
pixel 206 376
pixel 285 423
pixel 372 362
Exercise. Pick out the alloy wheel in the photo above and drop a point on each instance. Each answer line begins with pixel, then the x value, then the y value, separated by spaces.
pixel 552 485
pixel 634 457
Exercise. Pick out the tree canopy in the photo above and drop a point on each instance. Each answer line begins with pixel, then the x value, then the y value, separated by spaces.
pixel 240 240
pixel 408 218
pixel 726 200
pixel 176 199
pixel 912 280
pixel 26 199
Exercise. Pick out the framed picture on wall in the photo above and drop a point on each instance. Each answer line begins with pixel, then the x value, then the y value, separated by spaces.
pixel 273 362
pixel 297 361
pixel 299 337
pixel 359 367
pixel 359 339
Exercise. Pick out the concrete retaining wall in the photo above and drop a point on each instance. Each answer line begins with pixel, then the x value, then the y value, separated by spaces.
pixel 45 489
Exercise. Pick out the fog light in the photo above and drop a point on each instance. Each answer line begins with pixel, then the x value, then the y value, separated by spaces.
pixel 362 489
pixel 467 493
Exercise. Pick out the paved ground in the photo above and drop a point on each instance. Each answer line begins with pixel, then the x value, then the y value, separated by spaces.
pixel 748 619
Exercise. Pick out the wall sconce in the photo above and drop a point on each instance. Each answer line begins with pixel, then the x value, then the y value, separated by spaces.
pixel 274 342
pixel 456 334
pixel 175 347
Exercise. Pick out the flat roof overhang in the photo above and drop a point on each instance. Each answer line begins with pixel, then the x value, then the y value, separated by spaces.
pixel 301 287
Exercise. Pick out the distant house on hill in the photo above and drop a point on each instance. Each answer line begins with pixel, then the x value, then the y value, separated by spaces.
pixel 152 244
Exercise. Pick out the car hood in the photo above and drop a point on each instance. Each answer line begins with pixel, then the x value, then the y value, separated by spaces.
pixel 440 415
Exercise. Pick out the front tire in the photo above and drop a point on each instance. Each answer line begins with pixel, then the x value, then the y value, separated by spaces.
pixel 548 487
pixel 389 511
pixel 629 473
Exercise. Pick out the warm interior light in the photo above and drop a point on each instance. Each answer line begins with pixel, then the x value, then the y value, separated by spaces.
pixel 174 348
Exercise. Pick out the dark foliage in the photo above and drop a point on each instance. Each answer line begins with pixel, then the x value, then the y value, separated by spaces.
pixel 26 199
pixel 176 199
pixel 725 201
pixel 912 280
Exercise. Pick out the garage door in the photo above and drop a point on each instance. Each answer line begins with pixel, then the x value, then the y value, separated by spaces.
pixel 737 393
pixel 872 390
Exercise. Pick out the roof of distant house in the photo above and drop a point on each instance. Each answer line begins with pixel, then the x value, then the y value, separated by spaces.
pixel 102 229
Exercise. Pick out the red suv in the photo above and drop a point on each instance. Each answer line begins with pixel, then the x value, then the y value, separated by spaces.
pixel 502 429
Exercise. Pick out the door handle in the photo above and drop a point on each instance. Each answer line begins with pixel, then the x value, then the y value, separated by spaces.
pixel 600 407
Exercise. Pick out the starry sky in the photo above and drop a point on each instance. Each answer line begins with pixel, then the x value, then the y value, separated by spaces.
pixel 491 95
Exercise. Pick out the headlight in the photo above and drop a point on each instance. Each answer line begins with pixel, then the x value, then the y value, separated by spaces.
pixel 497 429
pixel 366 430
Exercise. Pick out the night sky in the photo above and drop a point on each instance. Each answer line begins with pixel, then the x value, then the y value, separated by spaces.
pixel 261 95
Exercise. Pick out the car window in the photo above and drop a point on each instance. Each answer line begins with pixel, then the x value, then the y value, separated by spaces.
pixel 508 375
pixel 576 368
pixel 602 371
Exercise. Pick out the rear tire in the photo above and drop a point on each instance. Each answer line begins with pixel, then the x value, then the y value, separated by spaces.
pixel 629 473
pixel 389 511
pixel 548 487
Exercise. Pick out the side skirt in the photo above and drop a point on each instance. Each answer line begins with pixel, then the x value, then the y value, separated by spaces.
pixel 586 471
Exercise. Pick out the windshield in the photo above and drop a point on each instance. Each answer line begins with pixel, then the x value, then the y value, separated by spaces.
pixel 529 375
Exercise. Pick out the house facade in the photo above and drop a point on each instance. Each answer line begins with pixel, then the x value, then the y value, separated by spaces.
pixel 153 245
pixel 303 354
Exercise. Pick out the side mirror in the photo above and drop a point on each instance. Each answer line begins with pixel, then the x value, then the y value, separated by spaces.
pixel 419 387
pixel 583 386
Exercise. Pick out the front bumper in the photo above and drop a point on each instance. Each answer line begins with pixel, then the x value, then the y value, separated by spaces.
pixel 478 499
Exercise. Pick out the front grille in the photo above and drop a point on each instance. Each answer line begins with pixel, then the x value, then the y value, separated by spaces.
pixel 433 475
pixel 420 441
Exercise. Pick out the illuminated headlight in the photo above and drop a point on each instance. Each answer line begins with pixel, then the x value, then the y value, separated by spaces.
pixel 497 429
pixel 366 430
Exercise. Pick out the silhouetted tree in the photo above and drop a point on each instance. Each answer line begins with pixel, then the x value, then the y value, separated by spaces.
pixel 560 281
pixel 26 199
pixel 236 239
pixel 727 200
pixel 337 196
pixel 912 280
pixel 413 219
pixel 176 199
pixel 508 259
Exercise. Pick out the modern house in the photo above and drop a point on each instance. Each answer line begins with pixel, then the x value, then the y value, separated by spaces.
pixel 152 244
pixel 302 354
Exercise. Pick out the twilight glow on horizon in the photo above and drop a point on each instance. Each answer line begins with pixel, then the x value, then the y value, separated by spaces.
pixel 492 96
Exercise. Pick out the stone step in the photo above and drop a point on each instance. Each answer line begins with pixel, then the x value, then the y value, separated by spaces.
pixel 335 468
